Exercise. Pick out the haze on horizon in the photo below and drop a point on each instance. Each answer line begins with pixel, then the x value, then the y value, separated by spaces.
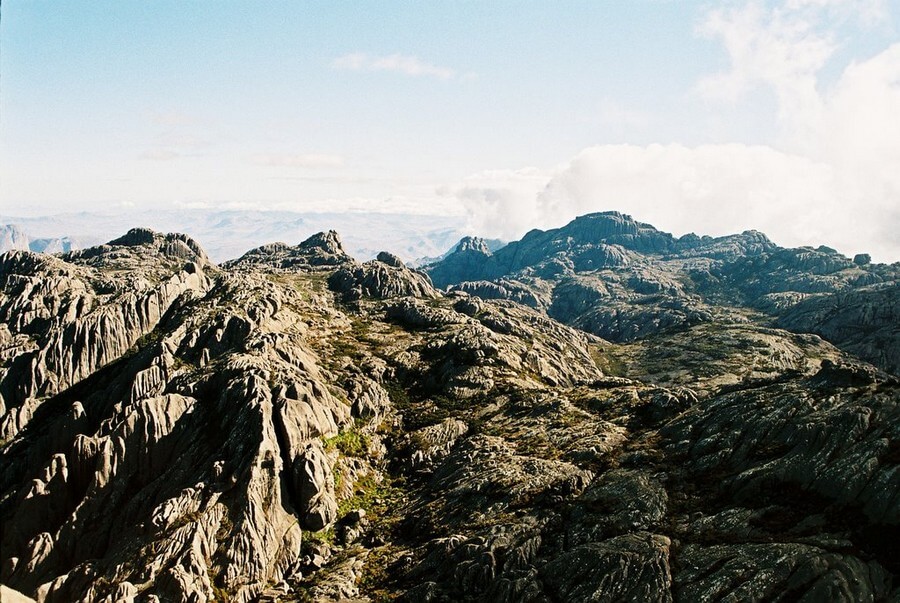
pixel 781 116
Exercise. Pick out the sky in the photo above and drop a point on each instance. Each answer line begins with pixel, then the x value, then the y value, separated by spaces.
pixel 708 117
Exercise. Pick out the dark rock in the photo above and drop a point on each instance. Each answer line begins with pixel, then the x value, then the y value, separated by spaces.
pixel 634 567
pixel 390 259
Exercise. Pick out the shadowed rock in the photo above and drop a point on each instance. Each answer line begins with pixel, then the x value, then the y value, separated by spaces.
pixel 174 431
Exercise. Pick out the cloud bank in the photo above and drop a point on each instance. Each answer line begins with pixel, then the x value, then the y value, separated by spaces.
pixel 832 178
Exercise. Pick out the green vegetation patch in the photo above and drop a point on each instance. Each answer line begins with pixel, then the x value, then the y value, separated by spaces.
pixel 376 496
pixel 350 442
pixel 610 363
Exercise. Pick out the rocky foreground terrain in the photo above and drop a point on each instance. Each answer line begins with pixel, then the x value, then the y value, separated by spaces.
pixel 598 413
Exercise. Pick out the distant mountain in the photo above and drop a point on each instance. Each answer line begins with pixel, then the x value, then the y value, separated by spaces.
pixel 14 237
pixel 489 244
pixel 623 280
pixel 229 234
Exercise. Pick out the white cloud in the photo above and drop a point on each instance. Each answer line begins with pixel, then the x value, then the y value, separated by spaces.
pixel 832 179
pixel 179 135
pixel 866 12
pixel 783 47
pixel 304 160
pixel 501 203
pixel 396 63
pixel 183 141
pixel 711 189
pixel 777 48
pixel 356 61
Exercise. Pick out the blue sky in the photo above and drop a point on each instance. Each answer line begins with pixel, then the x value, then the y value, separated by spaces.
pixel 692 115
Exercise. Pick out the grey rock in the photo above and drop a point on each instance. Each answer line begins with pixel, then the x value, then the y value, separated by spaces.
pixel 315 487
pixel 323 249
pixel 623 280
pixel 757 572
pixel 501 289
pixel 864 321
pixel 390 259
pixel 380 280
pixel 179 431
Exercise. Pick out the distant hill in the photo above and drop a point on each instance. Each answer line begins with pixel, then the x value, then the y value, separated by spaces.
pixel 14 237
pixel 227 235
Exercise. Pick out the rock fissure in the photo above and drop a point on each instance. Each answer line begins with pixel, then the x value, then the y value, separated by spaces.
pixel 295 425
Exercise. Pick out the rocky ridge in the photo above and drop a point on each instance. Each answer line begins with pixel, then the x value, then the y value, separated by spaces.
pixel 623 280
pixel 294 425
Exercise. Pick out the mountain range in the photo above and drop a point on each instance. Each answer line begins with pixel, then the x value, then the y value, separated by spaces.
pixel 226 234
pixel 599 412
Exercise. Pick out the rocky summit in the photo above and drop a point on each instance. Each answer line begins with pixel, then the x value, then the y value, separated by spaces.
pixel 601 412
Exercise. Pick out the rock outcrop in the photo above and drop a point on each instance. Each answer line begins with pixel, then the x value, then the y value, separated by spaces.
pixel 320 250
pixel 381 278
pixel 623 280
pixel 295 426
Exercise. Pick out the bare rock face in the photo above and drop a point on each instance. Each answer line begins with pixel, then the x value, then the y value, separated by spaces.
pixel 623 280
pixel 864 321
pixel 161 412
pixel 64 319
pixel 314 484
pixel 634 567
pixel 297 426
pixel 500 290
pixel 469 258
pixel 320 250
pixel 382 278
pixel 12 237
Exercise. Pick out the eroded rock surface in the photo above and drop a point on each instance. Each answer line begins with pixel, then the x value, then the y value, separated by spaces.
pixel 297 426
pixel 623 280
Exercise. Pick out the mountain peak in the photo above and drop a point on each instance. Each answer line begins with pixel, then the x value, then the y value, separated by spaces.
pixel 329 242
pixel 321 249
pixel 476 244
pixel 137 246
pixel 135 237
pixel 329 429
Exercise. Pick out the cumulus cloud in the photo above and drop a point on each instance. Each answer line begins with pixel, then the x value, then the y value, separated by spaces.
pixel 673 186
pixel 501 203
pixel 831 178
pixel 302 160
pixel 783 47
pixel 396 63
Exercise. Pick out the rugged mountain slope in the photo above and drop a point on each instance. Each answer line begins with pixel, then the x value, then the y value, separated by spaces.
pixel 624 280
pixel 297 426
